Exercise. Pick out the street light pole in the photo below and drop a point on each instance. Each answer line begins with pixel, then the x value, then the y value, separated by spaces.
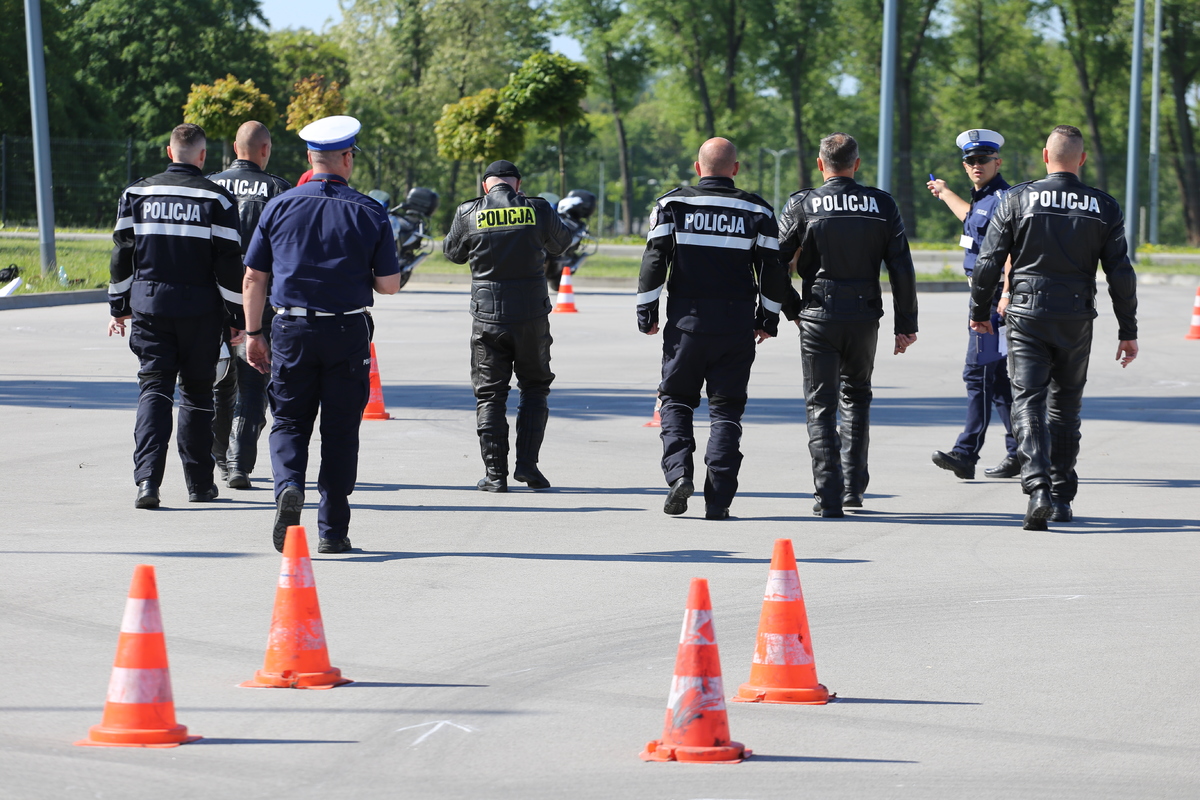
pixel 887 92
pixel 1155 91
pixel 778 155
pixel 40 117
pixel 1135 130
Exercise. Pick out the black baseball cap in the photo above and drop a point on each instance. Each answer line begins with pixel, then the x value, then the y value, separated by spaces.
pixel 502 169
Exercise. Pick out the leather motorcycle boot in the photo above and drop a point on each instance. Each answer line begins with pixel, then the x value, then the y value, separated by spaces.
pixel 851 500
pixel 495 462
pixel 147 496
pixel 829 512
pixel 1062 510
pixel 1010 467
pixel 1039 509
pixel 954 463
pixel 531 430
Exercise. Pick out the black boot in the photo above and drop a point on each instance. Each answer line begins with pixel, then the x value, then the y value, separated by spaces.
pixel 1039 510
pixel 531 429
pixel 492 428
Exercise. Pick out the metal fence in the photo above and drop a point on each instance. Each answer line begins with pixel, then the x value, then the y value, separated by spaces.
pixel 89 174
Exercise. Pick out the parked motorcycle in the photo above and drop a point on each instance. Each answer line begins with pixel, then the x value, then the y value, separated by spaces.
pixel 410 226
pixel 574 210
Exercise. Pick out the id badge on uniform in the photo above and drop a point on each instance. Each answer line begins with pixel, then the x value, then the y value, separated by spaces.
pixel 966 241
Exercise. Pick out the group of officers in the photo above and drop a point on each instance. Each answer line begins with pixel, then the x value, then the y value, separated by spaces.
pixel 286 276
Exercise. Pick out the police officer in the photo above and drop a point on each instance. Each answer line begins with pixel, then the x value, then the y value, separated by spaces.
pixel 716 250
pixel 506 237
pixel 241 393
pixel 842 231
pixel 985 373
pixel 176 272
pixel 322 247
pixel 1054 230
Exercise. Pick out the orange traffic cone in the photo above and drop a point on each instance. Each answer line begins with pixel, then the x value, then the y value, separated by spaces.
pixel 140 710
pixel 656 422
pixel 696 726
pixel 1194 333
pixel 296 654
pixel 783 670
pixel 566 295
pixel 375 408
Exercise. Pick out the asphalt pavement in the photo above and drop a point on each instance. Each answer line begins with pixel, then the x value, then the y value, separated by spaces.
pixel 522 645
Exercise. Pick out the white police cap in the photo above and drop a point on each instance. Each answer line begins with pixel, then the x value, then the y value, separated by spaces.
pixel 331 133
pixel 979 139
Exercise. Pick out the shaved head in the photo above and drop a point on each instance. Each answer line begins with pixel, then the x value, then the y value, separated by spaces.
pixel 1064 150
pixel 252 135
pixel 717 157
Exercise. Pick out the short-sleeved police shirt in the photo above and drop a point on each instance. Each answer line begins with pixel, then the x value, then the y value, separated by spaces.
pixel 324 243
pixel 983 205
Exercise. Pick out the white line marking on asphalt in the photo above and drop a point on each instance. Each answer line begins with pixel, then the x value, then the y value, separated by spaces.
pixel 1034 597
pixel 437 726
pixel 514 672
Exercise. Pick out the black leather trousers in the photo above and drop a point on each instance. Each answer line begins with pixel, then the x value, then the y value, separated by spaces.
pixel 1048 363
pixel 498 349
pixel 838 359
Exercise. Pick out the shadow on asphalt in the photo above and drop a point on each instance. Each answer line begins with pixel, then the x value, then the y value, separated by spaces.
pixel 589 402
pixel 207 740
pixel 157 554
pixel 890 701
pixel 667 557
pixel 820 759
pixel 380 684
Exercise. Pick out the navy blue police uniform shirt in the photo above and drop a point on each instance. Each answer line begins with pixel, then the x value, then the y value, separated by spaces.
pixel 324 243
pixel 983 205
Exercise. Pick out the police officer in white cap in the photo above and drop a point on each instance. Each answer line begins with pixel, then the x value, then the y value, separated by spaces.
pixel 985 372
pixel 327 247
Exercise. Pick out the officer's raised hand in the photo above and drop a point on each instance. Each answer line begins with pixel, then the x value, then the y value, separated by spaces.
pixel 903 342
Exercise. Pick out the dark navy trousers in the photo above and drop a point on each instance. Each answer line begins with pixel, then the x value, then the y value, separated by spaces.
pixel 319 363
pixel 720 363
pixel 170 350
pixel 986 377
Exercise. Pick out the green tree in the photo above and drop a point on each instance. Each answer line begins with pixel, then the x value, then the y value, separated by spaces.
pixel 297 54
pixel 547 90
pixel 478 128
pixel 1181 54
pixel 313 99
pixel 222 106
pixel 142 55
pixel 618 55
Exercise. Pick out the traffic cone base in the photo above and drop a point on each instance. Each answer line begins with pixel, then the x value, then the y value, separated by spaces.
pixel 139 710
pixel 1194 331
pixel 375 407
pixel 566 295
pixel 696 727
pixel 783 669
pixel 297 657
pixel 656 420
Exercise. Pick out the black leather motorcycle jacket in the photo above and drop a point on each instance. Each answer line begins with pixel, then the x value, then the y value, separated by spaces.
pixel 843 231
pixel 506 236
pixel 1056 229
pixel 252 188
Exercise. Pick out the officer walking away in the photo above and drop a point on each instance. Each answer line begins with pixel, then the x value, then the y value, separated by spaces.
pixel 716 250
pixel 506 237
pixel 985 372
pixel 842 230
pixel 241 393
pixel 1054 230
pixel 322 247
pixel 176 272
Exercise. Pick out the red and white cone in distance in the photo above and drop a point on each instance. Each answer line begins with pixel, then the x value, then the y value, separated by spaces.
pixel 656 420
pixel 566 295
pixel 696 728
pixel 1194 332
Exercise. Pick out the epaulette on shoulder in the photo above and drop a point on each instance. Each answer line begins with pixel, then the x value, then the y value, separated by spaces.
pixel 668 194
